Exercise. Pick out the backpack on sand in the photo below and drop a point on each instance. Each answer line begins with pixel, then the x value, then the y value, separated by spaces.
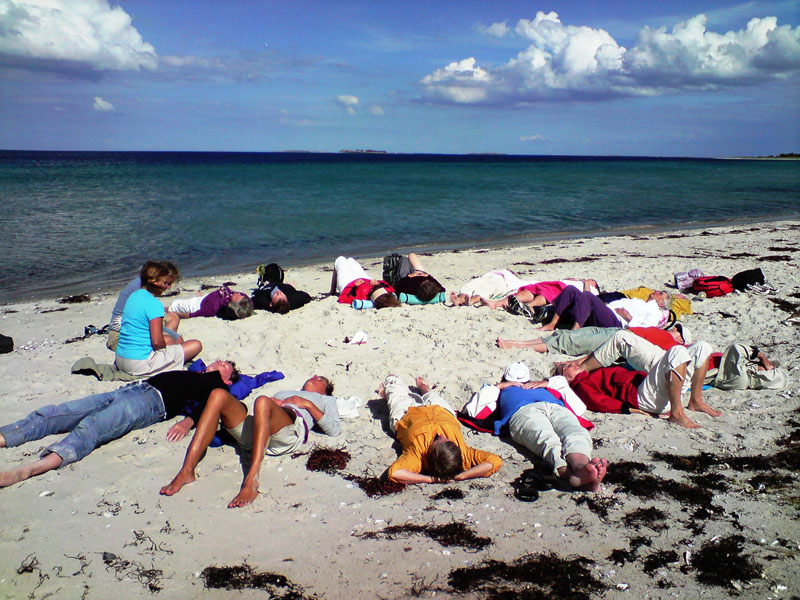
pixel 713 286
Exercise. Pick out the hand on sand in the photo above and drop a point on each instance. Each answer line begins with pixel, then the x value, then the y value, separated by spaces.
pixel 178 431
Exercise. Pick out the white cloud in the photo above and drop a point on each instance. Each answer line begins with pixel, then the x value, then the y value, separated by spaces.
pixel 376 109
pixel 350 103
pixel 102 105
pixel 496 29
pixel 579 63
pixel 88 32
pixel 531 138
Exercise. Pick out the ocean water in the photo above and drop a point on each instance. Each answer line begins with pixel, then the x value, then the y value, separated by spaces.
pixel 75 222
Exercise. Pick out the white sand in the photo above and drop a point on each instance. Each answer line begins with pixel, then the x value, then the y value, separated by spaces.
pixel 303 523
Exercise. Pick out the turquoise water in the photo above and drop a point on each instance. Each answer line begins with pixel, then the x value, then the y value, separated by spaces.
pixel 78 222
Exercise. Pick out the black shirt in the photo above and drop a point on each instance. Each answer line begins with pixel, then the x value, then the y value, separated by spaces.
pixel 186 393
pixel 410 285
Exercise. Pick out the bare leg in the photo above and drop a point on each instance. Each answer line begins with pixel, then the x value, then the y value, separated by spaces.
pixel 676 412
pixel 536 344
pixel 31 469
pixel 191 349
pixel 588 363
pixel 269 419
pixel 494 304
pixel 552 324
pixel 582 473
pixel 2 441
pixel 172 320
pixel 458 299
pixel 696 401
pixel 416 263
pixel 220 404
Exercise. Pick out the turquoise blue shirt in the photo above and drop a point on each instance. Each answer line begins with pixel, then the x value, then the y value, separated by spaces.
pixel 134 334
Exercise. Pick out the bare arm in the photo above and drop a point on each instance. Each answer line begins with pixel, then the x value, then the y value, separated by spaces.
pixel 300 402
pixel 407 477
pixel 480 470
pixel 416 263
pixel 157 333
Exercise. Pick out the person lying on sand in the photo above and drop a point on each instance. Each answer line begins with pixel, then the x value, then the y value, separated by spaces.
pixel 434 450
pixel 489 286
pixel 533 295
pixel 414 280
pixel 584 308
pixel 576 342
pixel 351 282
pixel 539 419
pixel 278 425
pixel 655 391
pixel 100 418
pixel 222 302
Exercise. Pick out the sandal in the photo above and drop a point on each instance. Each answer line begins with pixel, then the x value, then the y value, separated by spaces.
pixel 526 494
pixel 519 308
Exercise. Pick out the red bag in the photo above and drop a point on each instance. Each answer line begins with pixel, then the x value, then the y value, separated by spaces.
pixel 713 286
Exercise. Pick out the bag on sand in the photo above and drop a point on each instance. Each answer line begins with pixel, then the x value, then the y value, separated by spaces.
pixel 743 279
pixel 391 268
pixel 713 286
pixel 271 273
pixel 6 344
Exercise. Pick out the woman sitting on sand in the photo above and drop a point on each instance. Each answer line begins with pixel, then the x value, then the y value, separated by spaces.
pixel 222 302
pixel 351 282
pixel 142 349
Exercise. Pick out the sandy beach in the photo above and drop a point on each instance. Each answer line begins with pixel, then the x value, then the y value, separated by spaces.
pixel 99 528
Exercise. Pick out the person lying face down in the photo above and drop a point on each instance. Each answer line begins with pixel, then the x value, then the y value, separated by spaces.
pixel 434 450
pixel 100 418
pixel 538 418
pixel 351 282
pixel 277 425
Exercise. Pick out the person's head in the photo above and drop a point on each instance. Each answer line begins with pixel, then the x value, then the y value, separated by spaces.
pixel 517 372
pixel 227 370
pixel 157 277
pixel 240 307
pixel 173 270
pixel 319 384
pixel 681 334
pixel 386 300
pixel 662 298
pixel 443 459
pixel 279 303
pixel 429 289
pixel 569 370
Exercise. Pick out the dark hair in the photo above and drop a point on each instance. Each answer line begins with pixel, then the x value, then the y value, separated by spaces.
pixel 243 308
pixel 281 307
pixel 328 387
pixel 387 300
pixel 444 460
pixel 152 270
pixel 235 375
pixel 173 269
pixel 429 289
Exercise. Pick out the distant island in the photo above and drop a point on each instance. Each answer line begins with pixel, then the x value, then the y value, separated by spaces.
pixel 784 156
pixel 360 151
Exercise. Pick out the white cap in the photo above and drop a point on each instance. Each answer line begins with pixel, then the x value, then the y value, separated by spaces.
pixel 685 333
pixel 517 372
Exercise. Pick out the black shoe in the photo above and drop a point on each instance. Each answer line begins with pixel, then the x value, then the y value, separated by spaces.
pixel 527 494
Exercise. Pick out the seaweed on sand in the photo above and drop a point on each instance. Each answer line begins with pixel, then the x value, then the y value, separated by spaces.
pixel 452 534
pixel 375 486
pixel 720 561
pixel 449 494
pixel 659 559
pixel 597 504
pixel 328 460
pixel 240 577
pixel 635 479
pixel 534 576
pixel 620 556
pixel 650 517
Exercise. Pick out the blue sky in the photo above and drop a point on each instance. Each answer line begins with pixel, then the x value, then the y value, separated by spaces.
pixel 580 78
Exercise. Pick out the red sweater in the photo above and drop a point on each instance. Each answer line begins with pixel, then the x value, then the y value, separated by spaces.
pixel 609 390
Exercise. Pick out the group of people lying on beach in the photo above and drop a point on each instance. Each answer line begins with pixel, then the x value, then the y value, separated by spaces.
pixel 661 366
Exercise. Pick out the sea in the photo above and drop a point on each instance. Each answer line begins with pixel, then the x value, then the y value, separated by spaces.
pixel 83 222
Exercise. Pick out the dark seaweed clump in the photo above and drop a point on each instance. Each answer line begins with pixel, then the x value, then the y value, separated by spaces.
pixel 534 577
pixel 598 505
pixel 328 460
pixel 620 556
pixel 449 494
pixel 651 517
pixel 375 486
pixel 721 561
pixel 240 577
pixel 452 534
pixel 659 559
pixel 75 299
pixel 634 478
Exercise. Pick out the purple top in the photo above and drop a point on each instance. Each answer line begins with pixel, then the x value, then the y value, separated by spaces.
pixel 213 301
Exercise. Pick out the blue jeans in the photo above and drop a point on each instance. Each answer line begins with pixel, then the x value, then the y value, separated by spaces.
pixel 91 421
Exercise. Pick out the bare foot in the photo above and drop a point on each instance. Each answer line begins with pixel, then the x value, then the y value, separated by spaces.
pixel 181 479
pixel 246 495
pixel 16 475
pixel 547 328
pixel 422 385
pixel 457 299
pixel 493 304
pixel 701 406
pixel 589 476
pixel 683 421
pixel 382 391
pixel 501 343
